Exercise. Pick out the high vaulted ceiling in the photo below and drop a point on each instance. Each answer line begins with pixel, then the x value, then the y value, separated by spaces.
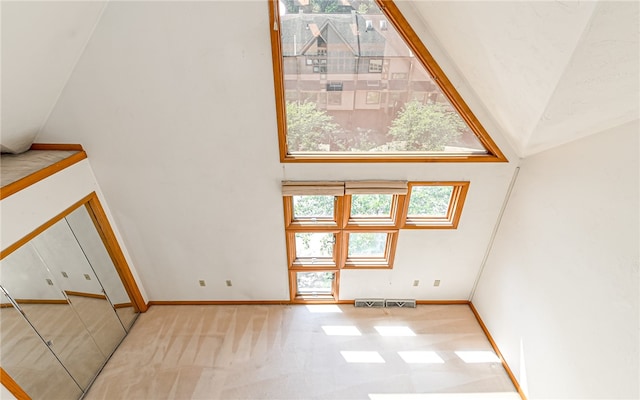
pixel 174 103
pixel 547 72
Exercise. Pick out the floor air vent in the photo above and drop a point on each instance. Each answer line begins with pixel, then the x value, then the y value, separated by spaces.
pixel 404 303
pixel 369 303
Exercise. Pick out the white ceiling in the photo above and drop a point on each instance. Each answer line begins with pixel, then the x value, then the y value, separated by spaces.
pixel 547 72
pixel 174 103
pixel 41 43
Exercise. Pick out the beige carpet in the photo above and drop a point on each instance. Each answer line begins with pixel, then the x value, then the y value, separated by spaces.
pixel 284 352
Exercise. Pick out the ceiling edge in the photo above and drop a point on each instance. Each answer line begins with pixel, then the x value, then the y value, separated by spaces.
pixel 71 71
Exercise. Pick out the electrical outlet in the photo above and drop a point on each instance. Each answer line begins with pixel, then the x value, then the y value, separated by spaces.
pixel 436 282
pixel 202 282
pixel 87 277
pixel 64 274
pixel 416 282
pixel 49 282
pixel 229 282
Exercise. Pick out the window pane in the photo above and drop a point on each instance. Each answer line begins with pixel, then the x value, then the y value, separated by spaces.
pixel 367 244
pixel 371 205
pixel 310 245
pixel 313 207
pixel 315 282
pixel 429 201
pixel 353 85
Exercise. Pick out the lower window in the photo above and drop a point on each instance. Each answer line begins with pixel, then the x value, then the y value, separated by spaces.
pixel 314 285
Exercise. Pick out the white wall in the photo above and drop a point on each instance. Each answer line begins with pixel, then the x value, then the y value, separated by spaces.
pixel 5 394
pixel 30 208
pixel 560 292
pixel 174 103
pixel 41 42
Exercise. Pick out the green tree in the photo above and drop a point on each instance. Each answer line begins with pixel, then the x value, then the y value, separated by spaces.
pixel 307 127
pixel 371 204
pixel 430 200
pixel 315 281
pixel 363 8
pixel 328 6
pixel 426 127
pixel 313 206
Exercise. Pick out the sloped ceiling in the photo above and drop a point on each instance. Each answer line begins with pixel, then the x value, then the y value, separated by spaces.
pixel 41 43
pixel 174 103
pixel 548 72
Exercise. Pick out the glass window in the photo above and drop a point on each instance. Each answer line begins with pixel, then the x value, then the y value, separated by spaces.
pixel 390 105
pixel 373 211
pixel 314 245
pixel 367 244
pixel 435 204
pixel 309 207
pixel 371 205
pixel 312 211
pixel 429 201
pixel 357 225
pixel 316 285
pixel 366 249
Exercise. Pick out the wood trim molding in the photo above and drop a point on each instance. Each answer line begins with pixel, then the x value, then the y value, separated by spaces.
pixel 497 351
pixel 123 305
pixel 101 222
pixel 10 249
pixel 99 217
pixel 12 386
pixel 217 302
pixel 281 302
pixel 420 51
pixel 56 146
pixel 41 301
pixel 325 299
pixel 84 294
pixel 454 212
pixel 390 9
pixel 39 175
pixel 278 74
pixel 442 302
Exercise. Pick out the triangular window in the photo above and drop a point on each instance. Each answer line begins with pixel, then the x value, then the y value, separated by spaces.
pixel 354 83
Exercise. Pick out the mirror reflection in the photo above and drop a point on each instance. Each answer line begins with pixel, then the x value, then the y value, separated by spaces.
pixel 28 359
pixel 27 280
pixel 82 226
pixel 64 311
pixel 74 275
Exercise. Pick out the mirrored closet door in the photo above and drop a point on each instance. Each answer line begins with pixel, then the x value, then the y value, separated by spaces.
pixel 64 308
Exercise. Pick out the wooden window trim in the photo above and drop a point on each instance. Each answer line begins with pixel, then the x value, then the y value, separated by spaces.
pixel 306 224
pixel 393 221
pixel 298 298
pixel 322 263
pixel 454 212
pixel 393 14
pixel 385 262
pixel 344 225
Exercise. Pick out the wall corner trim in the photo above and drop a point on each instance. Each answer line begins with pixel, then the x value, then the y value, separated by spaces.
pixel 497 351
